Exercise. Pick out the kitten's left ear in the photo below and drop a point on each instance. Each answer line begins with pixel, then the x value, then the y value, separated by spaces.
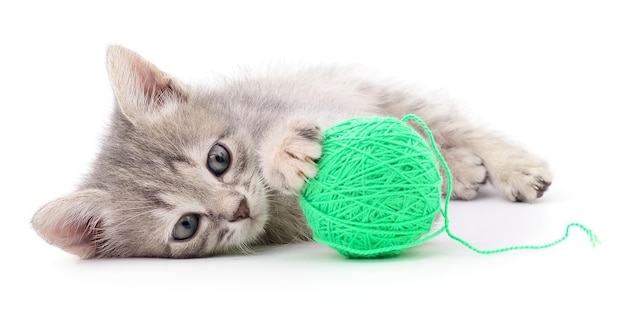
pixel 142 91
pixel 71 222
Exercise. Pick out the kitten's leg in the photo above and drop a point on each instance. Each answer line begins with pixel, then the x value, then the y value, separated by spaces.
pixel 474 154
pixel 287 155
pixel 515 173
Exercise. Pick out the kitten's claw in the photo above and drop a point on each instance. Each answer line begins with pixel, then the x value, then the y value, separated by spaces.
pixel 311 160
pixel 541 187
pixel 288 156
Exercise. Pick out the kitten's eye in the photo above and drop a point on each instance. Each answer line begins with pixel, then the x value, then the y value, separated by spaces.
pixel 218 160
pixel 186 227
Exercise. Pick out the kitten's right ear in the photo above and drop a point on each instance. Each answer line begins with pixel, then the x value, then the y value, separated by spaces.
pixel 141 90
pixel 71 222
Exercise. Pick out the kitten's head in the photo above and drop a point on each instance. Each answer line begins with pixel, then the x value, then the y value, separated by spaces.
pixel 174 178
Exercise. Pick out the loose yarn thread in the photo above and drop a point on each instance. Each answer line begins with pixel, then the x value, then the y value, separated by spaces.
pixel 377 192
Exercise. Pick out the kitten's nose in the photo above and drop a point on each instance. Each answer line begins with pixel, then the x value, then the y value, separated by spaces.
pixel 242 212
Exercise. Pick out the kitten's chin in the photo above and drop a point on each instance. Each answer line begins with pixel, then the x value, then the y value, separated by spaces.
pixel 252 229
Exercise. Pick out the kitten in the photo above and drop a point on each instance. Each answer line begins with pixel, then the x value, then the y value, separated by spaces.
pixel 188 171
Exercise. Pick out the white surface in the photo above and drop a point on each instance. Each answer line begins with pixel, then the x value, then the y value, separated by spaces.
pixel 549 75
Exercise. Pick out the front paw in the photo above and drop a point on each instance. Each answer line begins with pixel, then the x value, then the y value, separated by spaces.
pixel 522 179
pixel 288 155
pixel 468 172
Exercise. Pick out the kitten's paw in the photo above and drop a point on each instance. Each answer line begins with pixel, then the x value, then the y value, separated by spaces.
pixel 468 172
pixel 288 155
pixel 522 178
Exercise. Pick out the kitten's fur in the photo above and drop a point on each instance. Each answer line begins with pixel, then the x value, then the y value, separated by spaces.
pixel 152 168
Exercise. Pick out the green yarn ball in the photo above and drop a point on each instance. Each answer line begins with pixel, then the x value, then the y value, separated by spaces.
pixel 377 191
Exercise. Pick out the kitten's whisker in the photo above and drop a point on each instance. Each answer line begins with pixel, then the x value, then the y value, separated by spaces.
pixel 135 216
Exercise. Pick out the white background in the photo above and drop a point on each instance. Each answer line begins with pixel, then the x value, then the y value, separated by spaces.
pixel 549 75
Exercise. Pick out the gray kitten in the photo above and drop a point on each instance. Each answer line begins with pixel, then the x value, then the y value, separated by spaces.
pixel 190 171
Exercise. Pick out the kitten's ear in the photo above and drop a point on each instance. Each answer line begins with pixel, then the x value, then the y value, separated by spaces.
pixel 71 222
pixel 141 89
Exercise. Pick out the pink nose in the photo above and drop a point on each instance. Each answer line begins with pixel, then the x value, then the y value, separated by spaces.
pixel 242 212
